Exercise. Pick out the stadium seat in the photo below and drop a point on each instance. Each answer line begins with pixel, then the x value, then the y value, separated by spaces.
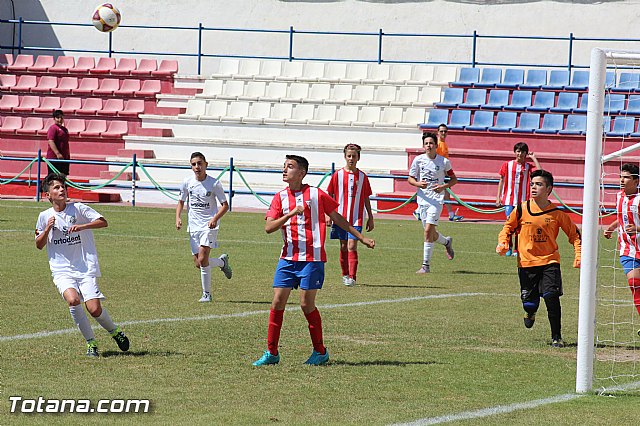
pixel 505 121
pixel 86 87
pixel 367 116
pixel 236 111
pixel 629 82
pixel 248 69
pixel 291 71
pixel 428 96
pixel 491 77
pixel 567 102
pixel 297 92
pixel 95 128
pixel 529 122
pixel 334 72
pixel 125 67
pixel 90 106
pixel 150 88
pixel 606 123
pixel 75 126
pixel 108 87
pixel 558 79
pixel 520 100
pixel 214 110
pixel 45 128
pixel 70 105
pixel 145 67
pixel 377 74
pixel 25 83
pixel 498 99
pixel 253 91
pixel 610 79
pixel 584 102
pixel 279 113
pixel 258 111
pixel 482 120
pixel 301 114
pixel 30 126
pixel 535 79
pixel 42 63
pixel 633 107
pixel 443 75
pixel 356 73
pixel 542 101
pixel 384 95
pixel 275 91
pixel 436 118
pixel 7 81
pixel 513 77
pixel 622 126
pixel 345 115
pixel 63 65
pixel 459 119
pixel 83 65
pixel 361 95
pixel 9 102
pixel 227 68
pixel 21 63
pixel 312 72
pixel 212 88
pixel 48 105
pixel 318 92
pixel 412 118
pixel 116 129
pixel 580 81
pixel 269 70
pixel 46 83
pixel 129 87
pixel 11 124
pixel 475 99
pixel 408 95
pixel 551 124
pixel 232 89
pixel 422 74
pixel 6 59
pixel 452 98
pixel 132 108
pixel 196 108
pixel 111 107
pixel 576 125
pixel 391 116
pixel 468 77
pixel 340 94
pixel 27 104
pixel 104 66
pixel 66 86
pixel 614 103
pixel 399 74
pixel 166 68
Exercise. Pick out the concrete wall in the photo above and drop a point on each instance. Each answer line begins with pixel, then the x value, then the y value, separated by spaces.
pixel 596 19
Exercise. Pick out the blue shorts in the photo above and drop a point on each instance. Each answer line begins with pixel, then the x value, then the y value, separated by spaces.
pixel 306 275
pixel 338 233
pixel 629 263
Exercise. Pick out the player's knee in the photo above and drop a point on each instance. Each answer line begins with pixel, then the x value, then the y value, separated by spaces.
pixel 94 310
pixel 73 301
pixel 307 307
pixel 551 295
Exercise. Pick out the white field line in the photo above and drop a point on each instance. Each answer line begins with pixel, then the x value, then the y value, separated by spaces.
pixel 41 334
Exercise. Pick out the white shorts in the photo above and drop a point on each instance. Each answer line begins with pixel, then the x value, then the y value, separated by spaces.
pixel 86 286
pixel 208 238
pixel 430 213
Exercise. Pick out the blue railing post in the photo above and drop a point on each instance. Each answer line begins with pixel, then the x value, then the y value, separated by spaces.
pixel 38 175
pixel 291 43
pixel 19 35
pixel 133 181
pixel 110 44
pixel 199 47
pixel 380 34
pixel 230 182
pixel 474 47
pixel 570 52
pixel 333 168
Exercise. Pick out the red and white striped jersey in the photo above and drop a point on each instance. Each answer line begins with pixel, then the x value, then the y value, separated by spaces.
pixel 350 190
pixel 516 182
pixel 303 234
pixel 627 209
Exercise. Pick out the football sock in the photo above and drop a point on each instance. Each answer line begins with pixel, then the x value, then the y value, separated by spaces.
pixel 634 284
pixel 427 250
pixel 353 264
pixel 441 239
pixel 81 320
pixel 216 261
pixel 273 334
pixel 105 321
pixel 205 277
pixel 344 262
pixel 554 313
pixel 531 307
pixel 315 330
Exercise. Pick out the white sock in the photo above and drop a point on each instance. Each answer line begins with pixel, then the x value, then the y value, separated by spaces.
pixel 442 239
pixel 205 276
pixel 216 261
pixel 81 320
pixel 105 321
pixel 428 249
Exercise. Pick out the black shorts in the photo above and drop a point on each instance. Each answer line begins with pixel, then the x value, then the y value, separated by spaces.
pixel 62 167
pixel 535 281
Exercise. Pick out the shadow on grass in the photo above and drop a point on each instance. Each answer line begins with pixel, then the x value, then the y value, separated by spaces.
pixel 399 286
pixel 107 354
pixel 463 272
pixel 381 363
pixel 613 346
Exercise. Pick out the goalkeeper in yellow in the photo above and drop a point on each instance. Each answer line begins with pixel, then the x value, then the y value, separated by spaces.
pixel 535 225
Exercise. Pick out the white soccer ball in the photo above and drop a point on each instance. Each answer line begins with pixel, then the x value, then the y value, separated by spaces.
pixel 106 18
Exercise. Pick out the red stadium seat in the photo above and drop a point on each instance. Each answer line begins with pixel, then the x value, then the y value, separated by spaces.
pixel 48 105
pixel 116 129
pixel 7 81
pixel 90 106
pixel 75 126
pixel 31 126
pixel 132 108
pixel 129 87
pixel 66 85
pixel 107 87
pixel 111 107
pixel 21 63
pixel 167 68
pixel 149 88
pixel 145 67
pixel 46 83
pixel 83 65
pixel 27 104
pixel 6 59
pixel 45 128
pixel 9 102
pixel 87 86
pixel 95 128
pixel 70 105
pixel 11 124
pixel 104 66
pixel 24 84
pixel 42 64
pixel 125 66
pixel 63 65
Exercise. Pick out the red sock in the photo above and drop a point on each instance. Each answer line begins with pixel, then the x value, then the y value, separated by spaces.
pixel 273 334
pixel 353 264
pixel 315 330
pixel 344 263
pixel 634 284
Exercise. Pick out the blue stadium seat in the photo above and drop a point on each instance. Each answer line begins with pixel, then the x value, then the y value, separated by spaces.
pixel 614 103
pixel 543 102
pixel 622 126
pixel 475 98
pixel 513 77
pixel 460 119
pixel 558 79
pixel 505 121
pixel 468 77
pixel 629 82
pixel 451 99
pixel 520 100
pixel 610 79
pixel 606 123
pixel 580 81
pixel 551 124
pixel 490 77
pixel 576 125
pixel 584 103
pixel 633 108
pixel 482 120
pixel 498 99
pixel 535 79
pixel 436 118
pixel 567 102
pixel 529 122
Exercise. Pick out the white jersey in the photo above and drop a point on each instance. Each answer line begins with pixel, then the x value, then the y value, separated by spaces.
pixel 73 253
pixel 200 197
pixel 433 172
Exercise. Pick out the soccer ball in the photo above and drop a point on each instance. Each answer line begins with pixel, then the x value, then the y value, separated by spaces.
pixel 106 18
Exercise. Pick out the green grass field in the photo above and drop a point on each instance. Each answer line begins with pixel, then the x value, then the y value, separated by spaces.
pixel 403 347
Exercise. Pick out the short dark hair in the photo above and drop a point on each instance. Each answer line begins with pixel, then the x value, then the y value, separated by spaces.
pixel 302 162
pixel 58 113
pixel 429 135
pixel 521 146
pixel 632 169
pixel 53 177
pixel 443 125
pixel 196 155
pixel 353 147
pixel 547 176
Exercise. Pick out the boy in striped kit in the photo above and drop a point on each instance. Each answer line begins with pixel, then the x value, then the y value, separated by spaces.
pixel 513 188
pixel 300 211
pixel 628 226
pixel 351 189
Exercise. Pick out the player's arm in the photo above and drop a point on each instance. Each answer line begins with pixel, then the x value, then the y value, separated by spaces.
pixel 339 220
pixel 417 183
pixel 216 217
pixel 535 160
pixel 273 225
pixel 367 206
pixel 575 239
pixel 41 238
pixel 608 231
pixel 100 222
pixel 508 230
pixel 55 149
pixel 452 181
pixel 179 209
pixel 499 196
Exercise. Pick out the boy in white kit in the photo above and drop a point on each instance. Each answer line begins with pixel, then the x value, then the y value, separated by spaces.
pixel 203 193
pixel 65 229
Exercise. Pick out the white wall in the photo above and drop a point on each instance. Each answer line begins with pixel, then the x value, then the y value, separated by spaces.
pixel 600 19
